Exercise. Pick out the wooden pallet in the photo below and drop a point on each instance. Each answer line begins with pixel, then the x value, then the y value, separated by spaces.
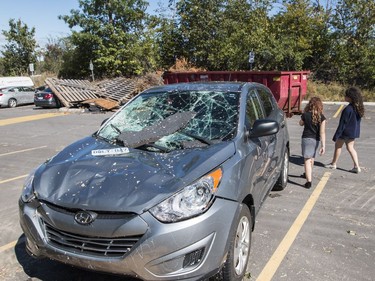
pixel 71 92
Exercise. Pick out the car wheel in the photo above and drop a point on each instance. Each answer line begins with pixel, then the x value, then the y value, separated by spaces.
pixel 12 103
pixel 239 248
pixel 283 178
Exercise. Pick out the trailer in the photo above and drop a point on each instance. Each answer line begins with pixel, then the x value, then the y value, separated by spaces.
pixel 288 87
pixel 16 81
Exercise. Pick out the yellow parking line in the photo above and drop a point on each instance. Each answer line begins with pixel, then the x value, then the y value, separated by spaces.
pixel 8 246
pixel 11 121
pixel 338 111
pixel 13 179
pixel 23 150
pixel 11 245
pixel 278 256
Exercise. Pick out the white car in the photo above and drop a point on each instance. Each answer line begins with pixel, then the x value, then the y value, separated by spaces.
pixel 13 96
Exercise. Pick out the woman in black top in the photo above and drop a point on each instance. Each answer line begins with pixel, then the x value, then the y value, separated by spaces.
pixel 314 123
pixel 349 128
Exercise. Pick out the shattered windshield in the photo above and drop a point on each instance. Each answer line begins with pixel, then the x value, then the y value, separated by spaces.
pixel 175 120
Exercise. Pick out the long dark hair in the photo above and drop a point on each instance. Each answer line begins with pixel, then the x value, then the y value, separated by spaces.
pixel 356 100
pixel 315 106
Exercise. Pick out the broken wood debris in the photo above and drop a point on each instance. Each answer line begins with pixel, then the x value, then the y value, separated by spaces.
pixel 103 104
pixel 71 92
pixel 107 94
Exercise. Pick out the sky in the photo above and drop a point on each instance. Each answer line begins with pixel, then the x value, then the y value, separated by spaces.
pixel 43 15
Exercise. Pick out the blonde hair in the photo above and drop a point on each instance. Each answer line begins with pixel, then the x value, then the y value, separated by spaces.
pixel 315 106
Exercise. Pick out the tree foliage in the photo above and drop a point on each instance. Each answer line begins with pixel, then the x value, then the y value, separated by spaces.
pixel 19 51
pixel 334 39
pixel 353 42
pixel 112 35
pixel 51 56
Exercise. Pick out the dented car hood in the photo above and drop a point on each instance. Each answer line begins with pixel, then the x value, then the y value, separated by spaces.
pixel 133 180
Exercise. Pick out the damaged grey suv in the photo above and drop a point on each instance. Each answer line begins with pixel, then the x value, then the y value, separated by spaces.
pixel 167 189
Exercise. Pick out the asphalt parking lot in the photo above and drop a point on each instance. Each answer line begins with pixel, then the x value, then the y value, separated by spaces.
pixel 324 233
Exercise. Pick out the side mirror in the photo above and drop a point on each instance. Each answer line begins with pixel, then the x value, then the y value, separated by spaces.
pixel 264 127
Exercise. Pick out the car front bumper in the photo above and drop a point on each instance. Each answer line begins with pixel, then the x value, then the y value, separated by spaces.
pixel 187 250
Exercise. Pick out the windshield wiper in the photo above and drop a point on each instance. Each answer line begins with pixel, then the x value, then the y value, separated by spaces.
pixel 115 128
pixel 153 145
pixel 96 135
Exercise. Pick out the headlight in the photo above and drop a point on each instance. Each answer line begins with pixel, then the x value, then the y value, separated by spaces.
pixel 28 190
pixel 193 200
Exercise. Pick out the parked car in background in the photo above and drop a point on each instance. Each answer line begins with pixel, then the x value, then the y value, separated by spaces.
pixel 46 99
pixel 14 96
pixel 167 189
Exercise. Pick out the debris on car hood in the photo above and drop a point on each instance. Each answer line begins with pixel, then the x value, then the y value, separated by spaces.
pixel 132 181
pixel 156 131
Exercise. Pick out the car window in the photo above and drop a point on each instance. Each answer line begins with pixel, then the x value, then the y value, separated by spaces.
pixel 267 100
pixel 254 109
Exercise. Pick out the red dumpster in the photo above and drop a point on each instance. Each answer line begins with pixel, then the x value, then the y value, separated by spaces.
pixel 288 87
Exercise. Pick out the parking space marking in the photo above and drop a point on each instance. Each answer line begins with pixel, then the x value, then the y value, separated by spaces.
pixel 13 179
pixel 8 246
pixel 338 111
pixel 278 256
pixel 23 150
pixel 11 245
pixel 15 120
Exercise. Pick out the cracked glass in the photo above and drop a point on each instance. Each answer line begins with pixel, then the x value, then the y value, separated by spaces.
pixel 175 120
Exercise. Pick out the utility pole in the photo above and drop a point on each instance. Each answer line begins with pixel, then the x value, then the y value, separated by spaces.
pixel 251 59
pixel 91 67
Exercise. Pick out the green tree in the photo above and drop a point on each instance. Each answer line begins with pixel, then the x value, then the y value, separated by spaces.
pixel 245 27
pixel 292 35
pixel 199 24
pixel 52 55
pixel 19 51
pixel 169 41
pixel 2 72
pixel 320 42
pixel 353 42
pixel 113 34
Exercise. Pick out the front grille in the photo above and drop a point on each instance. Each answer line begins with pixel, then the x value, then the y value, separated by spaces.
pixel 91 246
pixel 101 215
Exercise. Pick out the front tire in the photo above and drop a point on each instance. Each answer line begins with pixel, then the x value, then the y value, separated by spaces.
pixel 239 249
pixel 12 103
pixel 283 178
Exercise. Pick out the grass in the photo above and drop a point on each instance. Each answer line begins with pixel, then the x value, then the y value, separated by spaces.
pixel 333 92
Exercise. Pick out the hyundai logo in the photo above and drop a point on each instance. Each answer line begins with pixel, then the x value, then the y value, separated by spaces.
pixel 85 217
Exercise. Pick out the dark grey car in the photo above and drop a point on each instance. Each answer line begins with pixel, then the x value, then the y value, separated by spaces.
pixel 46 99
pixel 167 189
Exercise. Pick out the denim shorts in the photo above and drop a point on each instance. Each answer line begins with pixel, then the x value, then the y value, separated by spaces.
pixel 309 147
